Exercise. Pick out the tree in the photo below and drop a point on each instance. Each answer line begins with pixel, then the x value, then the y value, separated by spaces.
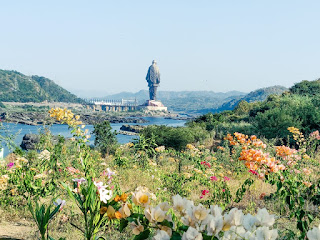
pixel 105 138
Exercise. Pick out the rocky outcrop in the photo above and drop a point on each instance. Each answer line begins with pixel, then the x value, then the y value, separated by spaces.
pixel 29 141
pixel 132 128
pixel 40 118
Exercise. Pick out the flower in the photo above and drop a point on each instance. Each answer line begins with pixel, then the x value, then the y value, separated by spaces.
pixel 79 180
pixel 213 178
pixel 105 194
pixel 141 198
pixel 155 214
pixel 314 233
pixel 181 204
pixel 200 212
pixel 264 218
pixel 192 234
pixel 59 202
pixel 111 212
pixel 161 235
pixel 125 211
pixel 10 165
pixel 137 228
pixel 226 179
pixel 72 170
pixel 264 233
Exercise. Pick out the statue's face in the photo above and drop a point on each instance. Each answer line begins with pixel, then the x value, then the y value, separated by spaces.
pixel 154 62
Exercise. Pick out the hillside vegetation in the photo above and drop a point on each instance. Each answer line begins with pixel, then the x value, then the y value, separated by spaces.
pixel 299 107
pixel 17 87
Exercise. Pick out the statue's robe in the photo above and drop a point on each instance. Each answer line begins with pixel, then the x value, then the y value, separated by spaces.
pixel 153 79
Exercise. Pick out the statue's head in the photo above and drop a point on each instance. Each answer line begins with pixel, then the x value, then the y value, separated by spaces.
pixel 154 62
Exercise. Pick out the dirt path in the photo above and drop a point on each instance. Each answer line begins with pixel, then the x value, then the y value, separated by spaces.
pixel 20 230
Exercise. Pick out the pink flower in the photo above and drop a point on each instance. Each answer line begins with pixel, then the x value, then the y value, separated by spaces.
pixel 10 165
pixel 213 178
pixel 253 172
pixel 72 170
pixel 223 190
pixel 226 179
pixel 204 192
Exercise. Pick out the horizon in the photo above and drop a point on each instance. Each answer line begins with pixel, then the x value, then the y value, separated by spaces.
pixel 106 47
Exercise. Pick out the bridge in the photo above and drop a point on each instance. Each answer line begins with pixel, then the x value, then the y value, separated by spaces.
pixel 122 105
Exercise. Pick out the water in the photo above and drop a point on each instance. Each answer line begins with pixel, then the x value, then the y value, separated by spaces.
pixel 21 129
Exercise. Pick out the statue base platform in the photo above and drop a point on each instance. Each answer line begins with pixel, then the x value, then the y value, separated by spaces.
pixel 153 105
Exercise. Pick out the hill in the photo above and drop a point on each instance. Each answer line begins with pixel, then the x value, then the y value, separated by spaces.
pixel 254 96
pixel 17 87
pixel 183 101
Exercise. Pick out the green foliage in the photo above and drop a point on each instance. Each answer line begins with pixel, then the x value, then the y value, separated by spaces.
pixel 275 117
pixel 174 137
pixel 105 139
pixel 42 216
pixel 306 88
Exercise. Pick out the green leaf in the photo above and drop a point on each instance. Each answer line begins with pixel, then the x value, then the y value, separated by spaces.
pixel 144 235
pixel 123 224
pixel 175 236
pixel 183 228
pixel 166 223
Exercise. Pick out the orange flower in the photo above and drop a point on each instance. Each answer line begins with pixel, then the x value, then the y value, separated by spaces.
pixel 103 210
pixel 124 197
pixel 117 215
pixel 117 198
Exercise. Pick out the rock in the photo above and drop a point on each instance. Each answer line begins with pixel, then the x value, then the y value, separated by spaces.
pixel 29 141
pixel 132 128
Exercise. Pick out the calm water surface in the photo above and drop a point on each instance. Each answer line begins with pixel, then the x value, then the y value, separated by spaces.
pixel 20 129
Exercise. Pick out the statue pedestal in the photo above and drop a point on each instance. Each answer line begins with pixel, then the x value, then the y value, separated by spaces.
pixel 153 105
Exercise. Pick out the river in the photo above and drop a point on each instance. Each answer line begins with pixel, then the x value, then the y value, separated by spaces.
pixel 21 129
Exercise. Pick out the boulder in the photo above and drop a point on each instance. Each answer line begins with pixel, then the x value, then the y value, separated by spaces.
pixel 29 141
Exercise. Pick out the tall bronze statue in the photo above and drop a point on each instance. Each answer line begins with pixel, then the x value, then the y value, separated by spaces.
pixel 153 79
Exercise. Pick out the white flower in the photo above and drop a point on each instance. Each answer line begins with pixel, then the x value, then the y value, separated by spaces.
pixel 181 204
pixel 105 195
pixel 216 211
pixel 164 206
pixel 214 225
pixel 100 185
pixel 200 213
pixel 155 214
pixel 314 233
pixel 234 217
pixel 161 235
pixel 234 233
pixel 264 218
pixel 79 180
pixel 264 233
pixel 59 202
pixel 192 234
pixel 249 221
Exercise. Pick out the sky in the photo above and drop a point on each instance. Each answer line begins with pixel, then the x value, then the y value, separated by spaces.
pixel 99 47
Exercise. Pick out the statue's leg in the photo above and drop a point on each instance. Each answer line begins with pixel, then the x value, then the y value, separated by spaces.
pixel 154 93
pixel 151 91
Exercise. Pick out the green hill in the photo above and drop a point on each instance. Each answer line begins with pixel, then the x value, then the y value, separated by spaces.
pixel 17 87
pixel 254 96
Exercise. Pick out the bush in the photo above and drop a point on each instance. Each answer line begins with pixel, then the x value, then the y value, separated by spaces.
pixel 174 137
pixel 105 139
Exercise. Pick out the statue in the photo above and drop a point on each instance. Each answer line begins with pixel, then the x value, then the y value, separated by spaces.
pixel 153 79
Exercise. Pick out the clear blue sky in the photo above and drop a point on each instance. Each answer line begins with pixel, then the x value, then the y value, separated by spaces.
pixel 107 46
